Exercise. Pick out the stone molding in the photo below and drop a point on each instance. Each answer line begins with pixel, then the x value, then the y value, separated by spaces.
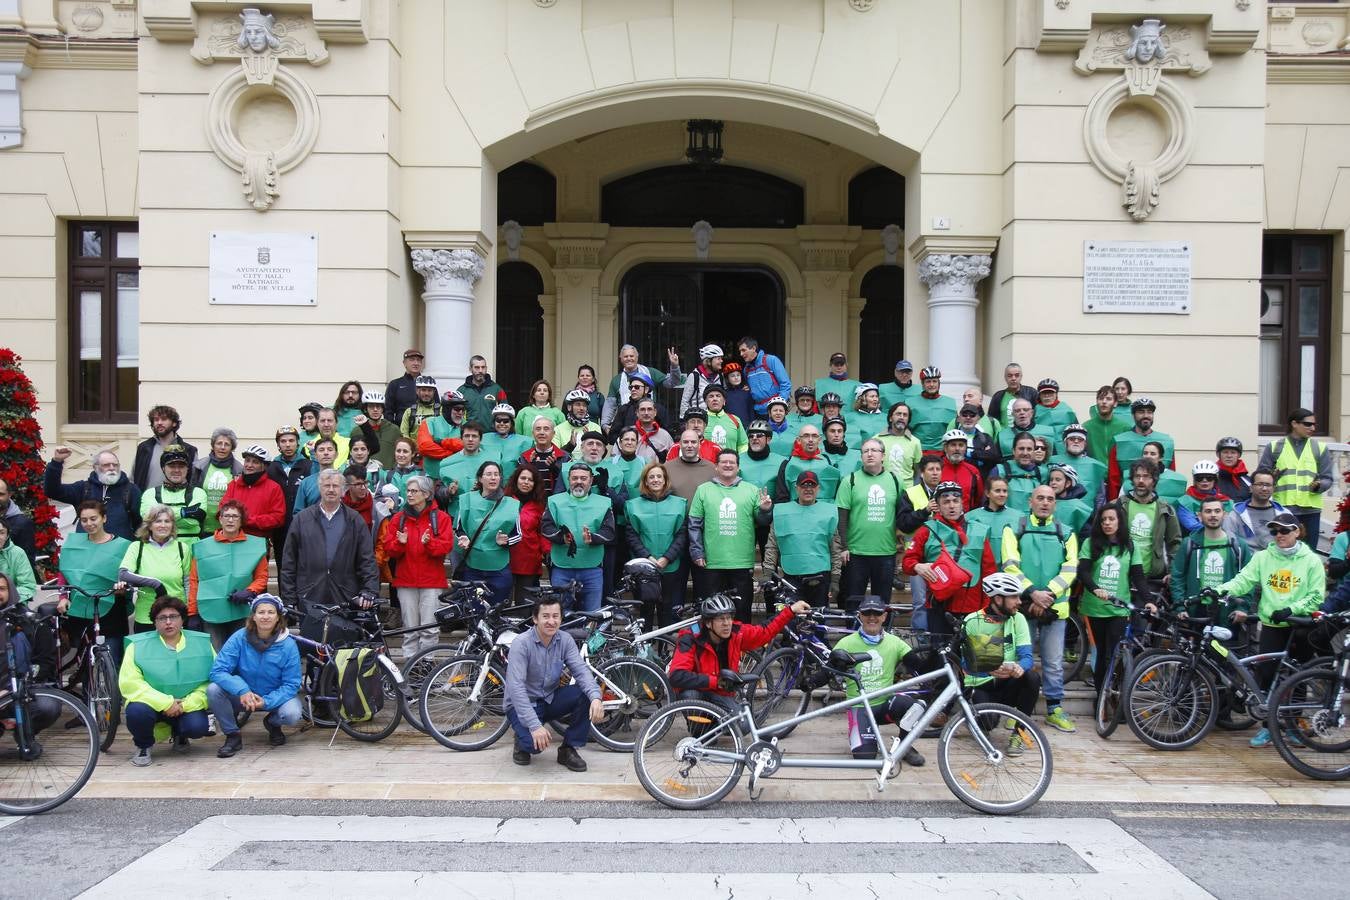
pixel 1308 29
pixel 446 269
pixel 1067 27
pixel 12 72
pixel 335 21
pixel 950 274
pixel 1115 48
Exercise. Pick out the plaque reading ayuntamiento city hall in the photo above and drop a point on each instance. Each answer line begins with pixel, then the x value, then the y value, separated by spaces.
pixel 264 269
pixel 1137 277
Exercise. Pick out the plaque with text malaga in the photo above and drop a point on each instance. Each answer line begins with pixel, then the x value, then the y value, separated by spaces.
pixel 1137 277
pixel 264 269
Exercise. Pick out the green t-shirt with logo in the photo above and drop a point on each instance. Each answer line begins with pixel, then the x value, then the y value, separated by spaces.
pixel 870 501
pixel 728 515
pixel 880 670
pixel 1141 518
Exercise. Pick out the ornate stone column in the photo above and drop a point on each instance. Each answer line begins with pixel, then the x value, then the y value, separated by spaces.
pixel 450 276
pixel 951 280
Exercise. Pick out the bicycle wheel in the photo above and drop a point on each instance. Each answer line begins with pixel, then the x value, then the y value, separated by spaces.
pixel 415 672
pixel 688 756
pixel 316 707
pixel 1076 648
pixel 1108 706
pixel 642 688
pixel 1309 724
pixel 60 759
pixel 1169 703
pixel 781 672
pixel 1007 784
pixel 659 650
pixel 380 725
pixel 463 703
pixel 105 700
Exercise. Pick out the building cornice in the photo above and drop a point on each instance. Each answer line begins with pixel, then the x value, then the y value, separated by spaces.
pixel 47 52
pixel 1324 68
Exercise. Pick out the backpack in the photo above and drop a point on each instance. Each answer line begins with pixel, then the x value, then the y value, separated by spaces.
pixel 360 684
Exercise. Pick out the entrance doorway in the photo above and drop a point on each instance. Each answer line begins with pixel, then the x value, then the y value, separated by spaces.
pixel 687 305
pixel 520 330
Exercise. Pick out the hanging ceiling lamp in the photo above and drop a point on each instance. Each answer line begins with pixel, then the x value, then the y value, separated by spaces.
pixel 705 142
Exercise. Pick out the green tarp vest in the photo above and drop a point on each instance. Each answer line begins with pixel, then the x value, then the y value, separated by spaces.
pixel 1091 473
pixel 803 534
pixel 1129 446
pixel 463 470
pixel 92 567
pixel 929 417
pixel 224 567
pixel 487 555
pixel 628 473
pixel 827 473
pixel 994 523
pixel 174 672
pixel 439 428
pixel 967 556
pixel 1073 514
pixel 656 523
pixel 761 472
pixel 570 513
pixel 1021 483
pixel 1042 552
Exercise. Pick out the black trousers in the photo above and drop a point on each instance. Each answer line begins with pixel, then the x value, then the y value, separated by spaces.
pixel 1106 633
pixel 1273 640
pixel 814 589
pixel 1019 693
pixel 711 581
pixel 868 575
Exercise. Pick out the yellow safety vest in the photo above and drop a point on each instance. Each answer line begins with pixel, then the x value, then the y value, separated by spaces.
pixel 1296 474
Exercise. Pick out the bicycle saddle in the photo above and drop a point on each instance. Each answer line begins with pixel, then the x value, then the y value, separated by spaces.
pixel 729 678
pixel 842 659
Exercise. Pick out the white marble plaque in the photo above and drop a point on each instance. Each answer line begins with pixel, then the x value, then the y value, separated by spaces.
pixel 1137 277
pixel 264 268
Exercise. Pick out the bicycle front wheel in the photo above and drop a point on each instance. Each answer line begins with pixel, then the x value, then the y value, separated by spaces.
pixel 1309 724
pixel 463 703
pixel 105 700
pixel 1005 781
pixel 1108 707
pixel 1076 648
pixel 1169 704
pixel 415 672
pixel 39 772
pixel 689 755
pixel 381 723
pixel 632 690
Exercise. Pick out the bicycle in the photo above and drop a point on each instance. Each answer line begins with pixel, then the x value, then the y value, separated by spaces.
pixel 38 775
pixel 94 667
pixel 692 753
pixel 1309 717
pixel 1134 643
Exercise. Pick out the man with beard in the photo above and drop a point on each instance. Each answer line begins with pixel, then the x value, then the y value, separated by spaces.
pixel 1127 446
pixel 107 483
pixel 480 392
pixel 1000 405
pixel 956 468
pixel 165 423
pixel 901 447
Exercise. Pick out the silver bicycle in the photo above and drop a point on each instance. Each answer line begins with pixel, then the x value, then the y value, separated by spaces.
pixel 993 757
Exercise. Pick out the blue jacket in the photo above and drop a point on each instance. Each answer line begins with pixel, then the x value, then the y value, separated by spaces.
pixel 123 499
pixel 768 378
pixel 274 675
pixel 307 493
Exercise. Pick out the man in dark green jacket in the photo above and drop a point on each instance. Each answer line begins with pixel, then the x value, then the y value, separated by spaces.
pixel 481 392
pixel 1207 558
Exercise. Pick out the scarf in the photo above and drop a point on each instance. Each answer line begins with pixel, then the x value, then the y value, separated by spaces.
pixel 869 639
pixel 364 507
pixel 580 421
pixel 798 452
pixel 1212 495
pixel 1282 551
pixel 836 449
pixel 843 377
pixel 645 435
pixel 778 427
pixel 928 396
pixel 761 455
pixel 252 479
pixel 260 643
pixel 1237 472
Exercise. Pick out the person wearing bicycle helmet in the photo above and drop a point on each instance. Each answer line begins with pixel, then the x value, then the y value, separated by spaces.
pixel 1127 446
pixel 379 432
pixel 887 651
pixel 931 410
pixel 1234 479
pixel 806 411
pixel 501 440
pixel 865 419
pixel 577 420
pixel 740 402
pixel 707 373
pixel 700 656
pixel 1204 486
pixel 1052 411
pixel 996 651
pixel 258 670
pixel 950 589
pixel 440 436
pixel 176 492
pixel 426 406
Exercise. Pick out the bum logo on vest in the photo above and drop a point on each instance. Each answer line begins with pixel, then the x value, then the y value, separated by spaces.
pixel 728 516
pixel 1283 581
pixel 1110 568
pixel 871 668
pixel 718 436
pixel 876 504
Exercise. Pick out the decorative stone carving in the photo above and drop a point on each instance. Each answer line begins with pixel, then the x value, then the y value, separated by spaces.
pixel 545 4
pixel 703 235
pixel 576 253
pixel 890 243
pixel 951 273
pixel 1143 52
pixel 259 41
pixel 445 268
pixel 862 5
pixel 1062 4
pixel 826 256
pixel 1243 5
pixel 951 279
pixel 512 233
pixel 87 18
pixel 450 274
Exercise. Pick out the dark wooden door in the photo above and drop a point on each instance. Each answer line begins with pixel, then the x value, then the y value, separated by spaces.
pixel 520 331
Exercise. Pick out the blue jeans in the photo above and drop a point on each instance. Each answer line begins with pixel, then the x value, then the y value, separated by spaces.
pixel 226 707
pixel 567 701
pixel 1050 637
pixel 141 721
pixel 499 582
pixel 1312 522
pixel 918 594
pixel 589 594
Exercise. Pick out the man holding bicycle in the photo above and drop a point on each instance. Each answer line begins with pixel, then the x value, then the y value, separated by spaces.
pixel 887 651
pixel 998 651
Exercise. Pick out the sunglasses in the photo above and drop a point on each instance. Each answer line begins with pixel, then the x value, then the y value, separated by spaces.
pixel 1276 529
pixel 872 612
pixel 1308 424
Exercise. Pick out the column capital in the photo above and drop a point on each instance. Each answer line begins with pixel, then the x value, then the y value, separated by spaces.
pixel 953 272
pixel 446 268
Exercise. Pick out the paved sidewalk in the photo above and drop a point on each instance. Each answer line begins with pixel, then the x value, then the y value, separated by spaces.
pixel 315 764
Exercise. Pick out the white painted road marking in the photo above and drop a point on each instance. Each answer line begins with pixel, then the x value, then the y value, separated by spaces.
pixel 6 821
pixel 1123 866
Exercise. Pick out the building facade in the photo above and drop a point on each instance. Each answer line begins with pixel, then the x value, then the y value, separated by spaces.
pixel 511 178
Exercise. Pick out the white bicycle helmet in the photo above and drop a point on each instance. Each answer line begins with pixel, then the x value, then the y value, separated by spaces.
pixel 956 434
pixel 424 381
pixel 504 409
pixel 1205 467
pixel 256 450
pixel 930 372
pixel 577 394
pixel 708 351
pixel 777 400
pixel 1001 584
pixel 372 397
pixel 863 388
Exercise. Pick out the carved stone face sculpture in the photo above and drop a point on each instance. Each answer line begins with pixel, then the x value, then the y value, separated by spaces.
pixel 256 34
pixel 1147 41
pixel 703 235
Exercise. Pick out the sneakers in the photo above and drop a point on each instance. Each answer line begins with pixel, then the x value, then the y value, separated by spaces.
pixel 913 757
pixel 569 757
pixel 1291 737
pixel 233 744
pixel 275 736
pixel 1016 746
pixel 211 724
pixel 1058 719
pixel 1260 739
pixel 142 757
pixel 180 744
pixel 521 757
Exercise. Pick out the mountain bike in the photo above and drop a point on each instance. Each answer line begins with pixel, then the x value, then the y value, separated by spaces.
pixel 1134 643
pixel 1309 717
pixel 692 753
pixel 43 769
pixel 800 665
pixel 94 669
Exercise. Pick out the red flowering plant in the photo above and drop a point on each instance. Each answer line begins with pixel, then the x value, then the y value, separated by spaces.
pixel 20 442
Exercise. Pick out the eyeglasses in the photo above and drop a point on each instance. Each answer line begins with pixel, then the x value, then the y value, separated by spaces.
pixel 416 490
pixel 168 617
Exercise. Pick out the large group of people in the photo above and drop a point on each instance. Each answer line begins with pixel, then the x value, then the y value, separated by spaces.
pixel 1002 512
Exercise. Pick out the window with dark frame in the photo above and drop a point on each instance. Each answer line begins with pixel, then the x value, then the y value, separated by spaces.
pixel 104 322
pixel 1295 344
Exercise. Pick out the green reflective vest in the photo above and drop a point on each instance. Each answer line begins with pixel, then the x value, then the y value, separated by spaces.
pixel 173 672
pixel 573 514
pixel 1296 474
pixel 224 567
pixel 1021 483
pixel 1091 474
pixel 168 565
pixel 486 555
pixel 994 523
pixel 824 469
pixel 91 567
pixel 761 472
pixel 626 472
pixel 439 428
pixel 803 534
pixel 1129 446
pixel 968 555
pixel 728 515
pixel 657 522
pixel 929 417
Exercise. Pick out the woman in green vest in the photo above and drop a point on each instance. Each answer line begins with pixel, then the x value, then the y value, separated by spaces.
pixel 227 571
pixel 541 404
pixel 163 680
pixel 656 531
pixel 995 515
pixel 489 523
pixel 623 474
pixel 1109 566
pixel 157 564
pixel 89 561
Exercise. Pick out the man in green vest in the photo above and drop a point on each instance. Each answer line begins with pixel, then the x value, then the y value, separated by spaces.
pixel 931 410
pixel 723 428
pixel 1302 469
pixel 459 470
pixel 806 455
pixel 1091 473
pixel 1023 421
pixel 1128 446
pixel 1103 425
pixel 722 519
pixel 163 681
pixel 837 380
pixel 869 503
pixel 759 464
pixel 902 388
pixel 804 542
pixel 1052 412
pixel 968 545
pixel 1152 523
pixel 866 417
pixel 579 524
pixel 901 447
pixel 1044 554
pixel 187 502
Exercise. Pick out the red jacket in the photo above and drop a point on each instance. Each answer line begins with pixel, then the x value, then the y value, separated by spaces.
pixel 264 501
pixel 527 557
pixel 419 565
pixel 1117 476
pixel 695 665
pixel 965 474
pixel 967 600
pixel 706 449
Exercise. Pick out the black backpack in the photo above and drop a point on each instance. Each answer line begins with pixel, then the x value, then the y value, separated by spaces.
pixel 360 684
